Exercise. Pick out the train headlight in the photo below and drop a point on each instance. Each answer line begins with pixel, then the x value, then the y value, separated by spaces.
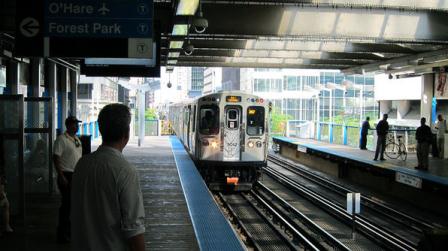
pixel 259 144
pixel 250 144
pixel 214 144
pixel 205 143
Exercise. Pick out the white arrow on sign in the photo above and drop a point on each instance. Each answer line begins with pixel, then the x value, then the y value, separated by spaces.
pixel 29 27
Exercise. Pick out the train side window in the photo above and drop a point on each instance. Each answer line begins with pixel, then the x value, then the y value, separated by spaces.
pixel 255 120
pixel 209 115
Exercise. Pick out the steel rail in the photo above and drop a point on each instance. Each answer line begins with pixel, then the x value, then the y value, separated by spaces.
pixel 370 229
pixel 279 219
pixel 328 238
pixel 416 224
pixel 239 223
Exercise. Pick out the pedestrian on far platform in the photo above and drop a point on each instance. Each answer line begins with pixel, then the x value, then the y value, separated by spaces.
pixel 382 128
pixel 364 131
pixel 423 136
pixel 441 130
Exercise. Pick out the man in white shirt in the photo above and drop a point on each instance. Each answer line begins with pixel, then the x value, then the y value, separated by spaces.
pixel 107 205
pixel 441 130
pixel 66 153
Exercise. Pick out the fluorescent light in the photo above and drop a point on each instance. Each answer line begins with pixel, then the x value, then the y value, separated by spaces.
pixel 176 44
pixel 187 7
pixel 180 30
pixel 173 54
pixel 172 61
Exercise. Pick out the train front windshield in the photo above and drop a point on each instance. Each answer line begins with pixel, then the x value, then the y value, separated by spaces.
pixel 255 120
pixel 209 115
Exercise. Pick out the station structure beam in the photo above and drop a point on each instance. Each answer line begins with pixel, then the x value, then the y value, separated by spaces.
pixel 329 34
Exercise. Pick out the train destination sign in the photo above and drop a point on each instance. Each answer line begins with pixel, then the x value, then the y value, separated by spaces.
pixel 112 18
pixel 85 28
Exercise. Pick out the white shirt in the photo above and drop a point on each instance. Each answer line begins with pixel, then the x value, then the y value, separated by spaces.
pixel 107 205
pixel 69 151
pixel 441 129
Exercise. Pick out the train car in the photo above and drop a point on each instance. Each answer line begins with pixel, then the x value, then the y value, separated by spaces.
pixel 226 134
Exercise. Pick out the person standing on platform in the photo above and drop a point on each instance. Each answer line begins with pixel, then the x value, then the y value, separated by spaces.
pixel 107 205
pixel 423 136
pixel 364 131
pixel 382 128
pixel 66 153
pixel 441 130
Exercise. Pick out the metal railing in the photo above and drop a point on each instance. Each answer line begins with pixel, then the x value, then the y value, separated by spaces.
pixel 345 134
pixel 89 128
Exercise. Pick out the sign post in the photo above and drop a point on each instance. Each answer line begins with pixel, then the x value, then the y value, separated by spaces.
pixel 353 208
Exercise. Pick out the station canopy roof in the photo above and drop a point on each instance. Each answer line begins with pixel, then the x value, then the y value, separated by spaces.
pixel 351 35
pixel 392 36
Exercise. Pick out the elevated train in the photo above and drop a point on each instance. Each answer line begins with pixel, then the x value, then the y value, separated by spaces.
pixel 226 134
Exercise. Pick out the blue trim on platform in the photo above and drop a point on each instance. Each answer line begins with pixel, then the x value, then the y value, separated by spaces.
pixel 213 231
pixel 421 174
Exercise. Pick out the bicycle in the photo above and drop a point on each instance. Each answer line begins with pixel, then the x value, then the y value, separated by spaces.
pixel 395 150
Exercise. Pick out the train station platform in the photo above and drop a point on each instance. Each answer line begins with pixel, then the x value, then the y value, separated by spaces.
pixel 397 177
pixel 180 211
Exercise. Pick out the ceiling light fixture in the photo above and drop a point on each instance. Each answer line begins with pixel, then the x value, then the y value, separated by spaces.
pixel 200 23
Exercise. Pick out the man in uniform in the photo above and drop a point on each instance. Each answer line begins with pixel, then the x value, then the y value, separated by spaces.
pixel 66 153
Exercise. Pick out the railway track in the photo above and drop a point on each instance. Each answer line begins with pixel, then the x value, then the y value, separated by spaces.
pixel 264 225
pixel 389 227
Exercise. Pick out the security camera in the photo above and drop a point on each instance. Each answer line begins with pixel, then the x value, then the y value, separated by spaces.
pixel 188 49
pixel 169 85
pixel 200 24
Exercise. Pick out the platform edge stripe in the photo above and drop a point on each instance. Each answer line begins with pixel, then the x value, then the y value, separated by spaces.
pixel 205 215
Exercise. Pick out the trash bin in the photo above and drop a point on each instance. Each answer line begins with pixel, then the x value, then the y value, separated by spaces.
pixel 86 143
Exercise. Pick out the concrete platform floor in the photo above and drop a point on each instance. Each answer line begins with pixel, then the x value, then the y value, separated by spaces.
pixel 168 226
pixel 438 167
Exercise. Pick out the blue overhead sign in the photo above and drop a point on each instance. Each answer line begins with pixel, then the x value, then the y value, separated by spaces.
pixel 100 18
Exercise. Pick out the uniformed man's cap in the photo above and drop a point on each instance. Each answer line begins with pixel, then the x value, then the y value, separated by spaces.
pixel 72 119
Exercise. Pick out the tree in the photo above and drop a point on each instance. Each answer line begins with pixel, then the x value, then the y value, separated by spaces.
pixel 278 121
pixel 150 114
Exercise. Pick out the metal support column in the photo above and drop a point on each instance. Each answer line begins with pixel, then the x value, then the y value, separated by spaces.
pixel 12 77
pixel 51 77
pixel 73 91
pixel 141 117
pixel 63 97
pixel 34 86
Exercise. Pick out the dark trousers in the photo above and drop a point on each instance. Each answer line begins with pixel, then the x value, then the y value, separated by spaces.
pixel 422 155
pixel 380 146
pixel 64 210
pixel 363 142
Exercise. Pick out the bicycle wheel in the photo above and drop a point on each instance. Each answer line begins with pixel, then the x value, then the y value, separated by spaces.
pixel 403 152
pixel 392 150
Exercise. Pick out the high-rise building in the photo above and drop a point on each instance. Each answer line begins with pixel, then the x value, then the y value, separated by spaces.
pixel 197 82
pixel 231 79
pixel 314 95
pixel 212 80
